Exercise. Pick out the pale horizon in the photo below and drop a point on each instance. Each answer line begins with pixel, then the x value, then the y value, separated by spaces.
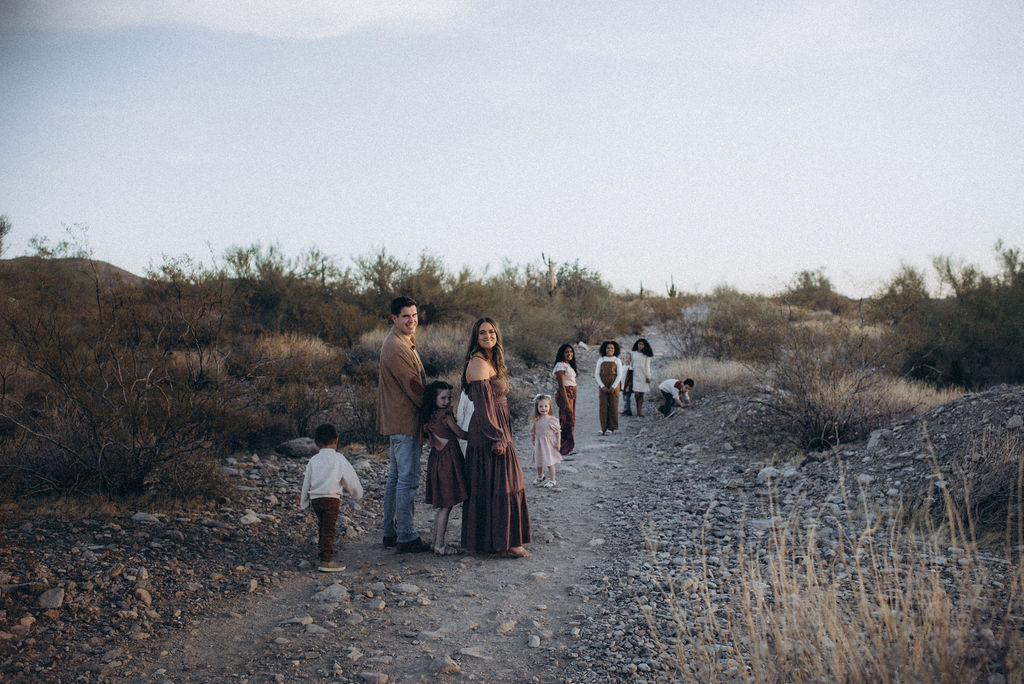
pixel 654 143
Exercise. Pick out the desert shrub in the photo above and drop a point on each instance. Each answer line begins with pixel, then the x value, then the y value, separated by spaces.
pixel 362 358
pixel 813 290
pixel 535 334
pixel 291 376
pixel 742 327
pixel 379 275
pixel 629 315
pixel 114 406
pixel 682 320
pixel 520 405
pixel 870 604
pixel 442 348
pixel 901 297
pixel 180 479
pixel 5 228
pixel 971 339
pixel 986 487
pixel 355 416
pixel 588 301
pixel 829 385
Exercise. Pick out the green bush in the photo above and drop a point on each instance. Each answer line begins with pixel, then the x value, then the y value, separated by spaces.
pixel 974 338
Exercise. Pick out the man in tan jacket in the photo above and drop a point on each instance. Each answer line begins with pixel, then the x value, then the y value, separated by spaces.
pixel 400 383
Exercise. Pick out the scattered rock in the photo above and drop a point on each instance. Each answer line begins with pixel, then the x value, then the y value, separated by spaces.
pixel 52 598
pixel 405 588
pixel 444 665
pixel 145 517
pixel 144 596
pixel 374 677
pixel 249 518
pixel 336 593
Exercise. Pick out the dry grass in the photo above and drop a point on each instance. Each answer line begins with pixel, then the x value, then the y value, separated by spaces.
pixel 442 348
pixel 373 339
pixel 710 375
pixel 910 395
pixel 878 604
pixel 307 348
pixel 713 375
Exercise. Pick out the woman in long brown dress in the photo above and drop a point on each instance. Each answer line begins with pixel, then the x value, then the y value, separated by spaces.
pixel 495 518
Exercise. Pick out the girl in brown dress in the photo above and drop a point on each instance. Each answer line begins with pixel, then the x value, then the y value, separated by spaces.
pixel 446 480
pixel 495 518
pixel 565 395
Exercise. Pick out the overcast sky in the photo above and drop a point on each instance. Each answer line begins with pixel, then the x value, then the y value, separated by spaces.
pixel 701 143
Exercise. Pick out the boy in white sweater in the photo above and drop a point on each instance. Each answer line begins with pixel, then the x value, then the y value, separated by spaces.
pixel 327 474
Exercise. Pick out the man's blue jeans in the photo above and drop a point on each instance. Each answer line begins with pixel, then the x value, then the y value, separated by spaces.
pixel 400 490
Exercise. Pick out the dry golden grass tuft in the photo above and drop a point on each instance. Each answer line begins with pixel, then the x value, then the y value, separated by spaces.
pixel 883 605
pixel 710 375
pixel 906 395
pixel 307 348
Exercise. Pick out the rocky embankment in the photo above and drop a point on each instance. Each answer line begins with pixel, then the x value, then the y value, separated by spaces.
pixel 701 492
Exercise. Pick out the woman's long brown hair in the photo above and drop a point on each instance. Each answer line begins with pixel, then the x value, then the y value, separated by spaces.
pixel 496 357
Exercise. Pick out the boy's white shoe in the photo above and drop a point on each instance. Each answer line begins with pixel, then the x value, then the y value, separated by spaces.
pixel 331 566
pixel 537 481
pixel 550 484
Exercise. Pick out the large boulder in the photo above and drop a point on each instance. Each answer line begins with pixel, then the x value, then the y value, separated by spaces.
pixel 302 447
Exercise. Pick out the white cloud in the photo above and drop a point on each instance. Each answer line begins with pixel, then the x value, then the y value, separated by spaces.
pixel 270 18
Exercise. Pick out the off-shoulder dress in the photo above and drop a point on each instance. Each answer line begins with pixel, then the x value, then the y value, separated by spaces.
pixel 495 517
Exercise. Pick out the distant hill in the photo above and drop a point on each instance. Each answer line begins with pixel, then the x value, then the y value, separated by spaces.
pixel 28 265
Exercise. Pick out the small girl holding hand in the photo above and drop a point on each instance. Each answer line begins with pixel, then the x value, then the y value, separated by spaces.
pixel 446 480
pixel 547 435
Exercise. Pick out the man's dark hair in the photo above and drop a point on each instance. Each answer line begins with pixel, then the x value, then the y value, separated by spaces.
pixel 325 434
pixel 688 381
pixel 399 303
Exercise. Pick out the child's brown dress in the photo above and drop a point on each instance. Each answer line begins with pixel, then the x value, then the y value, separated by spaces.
pixel 446 468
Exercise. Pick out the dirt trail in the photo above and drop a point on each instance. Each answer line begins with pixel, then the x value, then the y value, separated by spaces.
pixel 465 618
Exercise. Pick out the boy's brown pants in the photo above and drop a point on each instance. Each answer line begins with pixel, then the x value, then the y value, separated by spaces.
pixel 326 509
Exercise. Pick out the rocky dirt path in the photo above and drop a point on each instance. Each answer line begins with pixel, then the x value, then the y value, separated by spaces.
pixel 418 617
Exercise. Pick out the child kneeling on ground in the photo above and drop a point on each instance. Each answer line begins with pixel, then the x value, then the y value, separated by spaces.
pixel 675 393
pixel 327 474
